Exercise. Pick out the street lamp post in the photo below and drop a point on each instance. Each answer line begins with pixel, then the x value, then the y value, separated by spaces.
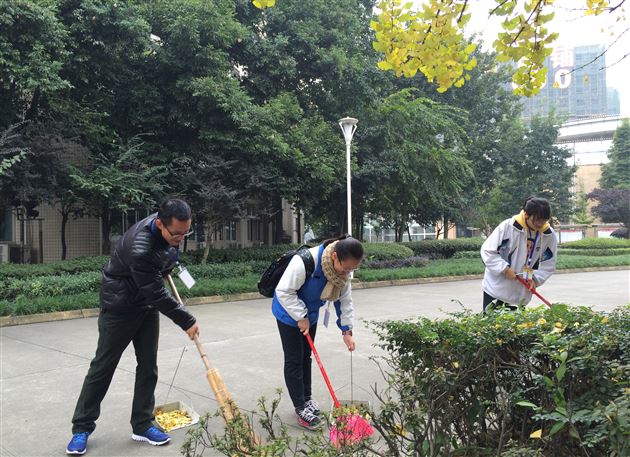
pixel 348 127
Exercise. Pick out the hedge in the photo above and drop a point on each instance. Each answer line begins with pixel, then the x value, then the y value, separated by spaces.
pixel 373 251
pixel 533 382
pixel 49 286
pixel 414 261
pixel 594 252
pixel 597 243
pixel 444 249
pixel 529 383
pixel 78 265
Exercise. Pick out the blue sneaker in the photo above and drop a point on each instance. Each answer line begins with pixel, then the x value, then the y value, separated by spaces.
pixel 152 436
pixel 78 444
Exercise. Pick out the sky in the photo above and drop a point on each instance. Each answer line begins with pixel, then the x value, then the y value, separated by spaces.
pixel 575 29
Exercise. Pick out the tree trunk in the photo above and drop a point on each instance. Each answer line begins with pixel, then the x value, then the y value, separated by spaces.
pixel 445 225
pixel 265 229
pixel 277 232
pixel 64 222
pixel 300 238
pixel 409 232
pixel 106 230
pixel 206 249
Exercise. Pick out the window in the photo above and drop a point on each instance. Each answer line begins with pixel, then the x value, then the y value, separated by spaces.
pixel 254 230
pixel 225 231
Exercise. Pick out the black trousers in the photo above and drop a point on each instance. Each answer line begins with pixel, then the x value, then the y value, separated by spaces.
pixel 116 331
pixel 297 362
pixel 496 303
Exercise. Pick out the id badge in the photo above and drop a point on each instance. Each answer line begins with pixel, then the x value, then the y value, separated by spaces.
pixel 327 316
pixel 185 277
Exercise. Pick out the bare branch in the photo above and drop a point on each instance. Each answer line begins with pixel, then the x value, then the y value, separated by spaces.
pixel 601 54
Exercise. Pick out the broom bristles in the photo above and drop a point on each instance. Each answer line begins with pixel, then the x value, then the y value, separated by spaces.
pixel 349 430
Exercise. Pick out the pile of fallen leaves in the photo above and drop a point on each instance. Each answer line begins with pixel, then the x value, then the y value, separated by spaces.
pixel 172 420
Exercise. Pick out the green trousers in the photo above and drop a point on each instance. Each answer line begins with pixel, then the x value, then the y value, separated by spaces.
pixel 115 332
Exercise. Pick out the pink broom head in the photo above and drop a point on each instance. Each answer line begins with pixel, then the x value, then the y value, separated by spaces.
pixel 349 430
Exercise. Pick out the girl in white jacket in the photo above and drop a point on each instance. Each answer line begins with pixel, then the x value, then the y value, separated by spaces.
pixel 523 245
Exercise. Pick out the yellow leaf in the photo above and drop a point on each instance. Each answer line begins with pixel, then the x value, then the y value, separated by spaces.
pixel 385 66
pixel 537 434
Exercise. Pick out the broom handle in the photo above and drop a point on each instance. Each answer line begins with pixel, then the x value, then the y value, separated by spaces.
pixel 532 290
pixel 321 368
pixel 202 353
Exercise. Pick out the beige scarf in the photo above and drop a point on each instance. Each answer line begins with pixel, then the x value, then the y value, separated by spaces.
pixel 336 282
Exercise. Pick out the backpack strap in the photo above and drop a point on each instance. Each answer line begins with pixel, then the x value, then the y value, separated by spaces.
pixel 309 263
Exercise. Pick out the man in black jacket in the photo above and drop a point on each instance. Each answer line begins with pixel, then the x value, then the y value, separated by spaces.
pixel 132 296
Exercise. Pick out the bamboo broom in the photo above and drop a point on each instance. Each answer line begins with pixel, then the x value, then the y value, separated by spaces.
pixel 228 406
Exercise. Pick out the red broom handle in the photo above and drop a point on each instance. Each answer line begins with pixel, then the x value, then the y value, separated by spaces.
pixel 321 368
pixel 532 290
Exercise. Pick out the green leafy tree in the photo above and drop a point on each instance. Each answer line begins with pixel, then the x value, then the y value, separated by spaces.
pixel 121 180
pixel 32 53
pixel 616 173
pixel 582 214
pixel 417 163
pixel 534 166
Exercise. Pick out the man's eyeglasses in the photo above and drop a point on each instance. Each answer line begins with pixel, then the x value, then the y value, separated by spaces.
pixel 178 235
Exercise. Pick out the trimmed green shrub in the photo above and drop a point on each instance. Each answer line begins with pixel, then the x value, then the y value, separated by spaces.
pixel 489 384
pixel 467 255
pixel 260 253
pixel 595 252
pixel 373 251
pixel 535 382
pixel 597 243
pixel 50 286
pixel 444 249
pixel 78 265
pixel 227 270
pixel 398 263
pixel 385 251
pixel 23 305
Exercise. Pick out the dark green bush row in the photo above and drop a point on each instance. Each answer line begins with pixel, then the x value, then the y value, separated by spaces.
pixel 398 263
pixel 33 305
pixel 444 249
pixel 373 251
pixel 562 252
pixel 78 265
pixel 595 252
pixel 597 243
pixel 386 251
pixel 261 253
pixel 49 286
pixel 467 255
pixel 227 270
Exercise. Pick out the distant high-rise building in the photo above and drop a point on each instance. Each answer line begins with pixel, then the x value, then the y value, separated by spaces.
pixel 614 103
pixel 576 84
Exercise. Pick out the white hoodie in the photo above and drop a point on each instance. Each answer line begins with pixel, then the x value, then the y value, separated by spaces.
pixel 507 246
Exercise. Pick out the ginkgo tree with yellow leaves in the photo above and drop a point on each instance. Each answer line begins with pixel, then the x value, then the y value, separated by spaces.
pixel 429 38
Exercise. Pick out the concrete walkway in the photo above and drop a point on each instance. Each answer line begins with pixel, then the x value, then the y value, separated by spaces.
pixel 42 365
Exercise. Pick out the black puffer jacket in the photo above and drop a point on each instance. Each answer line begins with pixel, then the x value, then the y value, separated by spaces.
pixel 133 279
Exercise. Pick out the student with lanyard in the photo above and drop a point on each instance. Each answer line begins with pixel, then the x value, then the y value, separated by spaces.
pixel 132 297
pixel 296 305
pixel 524 245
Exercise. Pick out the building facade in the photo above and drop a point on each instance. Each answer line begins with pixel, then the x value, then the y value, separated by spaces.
pixel 576 85
pixel 589 141
pixel 38 239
